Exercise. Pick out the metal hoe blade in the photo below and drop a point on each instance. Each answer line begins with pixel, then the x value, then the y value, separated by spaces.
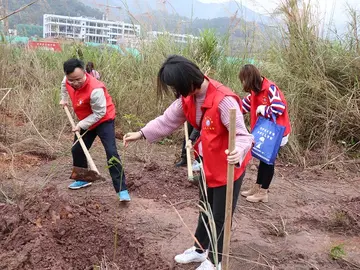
pixel 85 174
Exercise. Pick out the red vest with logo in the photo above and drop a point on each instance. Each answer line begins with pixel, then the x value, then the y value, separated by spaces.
pixel 214 135
pixel 262 98
pixel 80 99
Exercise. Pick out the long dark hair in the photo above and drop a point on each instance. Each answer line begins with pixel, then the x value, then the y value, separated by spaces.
pixel 250 78
pixel 89 67
pixel 180 74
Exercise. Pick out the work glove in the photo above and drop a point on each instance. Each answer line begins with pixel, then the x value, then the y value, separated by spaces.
pixel 188 144
pixel 261 110
pixel 63 103
pixel 76 128
pixel 234 157
pixel 132 136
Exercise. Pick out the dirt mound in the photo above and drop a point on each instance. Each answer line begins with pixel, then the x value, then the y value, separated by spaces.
pixel 34 147
pixel 161 182
pixel 48 232
pixel 343 219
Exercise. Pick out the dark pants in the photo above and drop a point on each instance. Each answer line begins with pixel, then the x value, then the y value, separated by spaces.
pixel 106 133
pixel 216 198
pixel 193 135
pixel 265 175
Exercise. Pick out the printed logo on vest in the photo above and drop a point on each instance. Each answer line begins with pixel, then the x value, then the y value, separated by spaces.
pixel 208 123
pixel 79 103
pixel 264 100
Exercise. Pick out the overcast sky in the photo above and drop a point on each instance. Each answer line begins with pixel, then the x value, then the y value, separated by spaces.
pixel 326 8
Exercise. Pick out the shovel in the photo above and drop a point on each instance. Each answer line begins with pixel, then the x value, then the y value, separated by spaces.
pixel 188 157
pixel 83 173
pixel 191 176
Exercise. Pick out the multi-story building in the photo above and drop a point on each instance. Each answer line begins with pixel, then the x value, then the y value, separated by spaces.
pixel 88 29
pixel 178 38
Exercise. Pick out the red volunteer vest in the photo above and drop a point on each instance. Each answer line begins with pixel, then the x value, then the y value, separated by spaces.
pixel 214 135
pixel 262 98
pixel 80 99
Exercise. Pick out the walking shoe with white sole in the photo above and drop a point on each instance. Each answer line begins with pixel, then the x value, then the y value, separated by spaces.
pixel 124 196
pixel 79 184
pixel 208 265
pixel 190 255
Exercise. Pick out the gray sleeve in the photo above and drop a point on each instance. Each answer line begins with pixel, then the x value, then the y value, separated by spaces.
pixel 98 107
pixel 64 94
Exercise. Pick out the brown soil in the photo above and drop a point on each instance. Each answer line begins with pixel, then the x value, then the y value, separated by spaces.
pixel 44 225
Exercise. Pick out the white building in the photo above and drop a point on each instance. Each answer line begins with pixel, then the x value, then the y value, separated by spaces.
pixel 12 32
pixel 179 38
pixel 88 29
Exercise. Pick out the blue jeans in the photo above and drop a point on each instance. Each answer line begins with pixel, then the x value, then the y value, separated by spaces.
pixel 106 133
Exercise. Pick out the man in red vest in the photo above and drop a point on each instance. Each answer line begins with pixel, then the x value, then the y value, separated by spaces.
pixel 94 108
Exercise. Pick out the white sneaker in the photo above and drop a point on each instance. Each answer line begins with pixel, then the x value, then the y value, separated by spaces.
pixel 208 265
pixel 190 255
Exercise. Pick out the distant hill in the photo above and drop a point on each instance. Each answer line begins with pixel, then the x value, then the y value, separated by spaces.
pixel 185 8
pixel 159 21
pixel 34 14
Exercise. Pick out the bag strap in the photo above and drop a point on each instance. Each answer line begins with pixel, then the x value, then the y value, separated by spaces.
pixel 273 117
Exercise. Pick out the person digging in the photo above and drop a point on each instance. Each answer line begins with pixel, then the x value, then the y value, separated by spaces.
pixel 205 104
pixel 94 108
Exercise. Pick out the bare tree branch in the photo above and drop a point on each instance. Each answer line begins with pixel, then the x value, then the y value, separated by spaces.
pixel 18 10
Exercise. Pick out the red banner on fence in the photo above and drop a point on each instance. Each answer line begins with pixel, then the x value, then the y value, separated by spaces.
pixel 50 46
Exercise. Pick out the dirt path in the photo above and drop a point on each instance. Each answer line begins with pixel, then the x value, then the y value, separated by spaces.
pixel 310 213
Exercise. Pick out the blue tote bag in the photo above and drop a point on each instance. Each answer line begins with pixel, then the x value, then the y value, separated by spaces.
pixel 268 136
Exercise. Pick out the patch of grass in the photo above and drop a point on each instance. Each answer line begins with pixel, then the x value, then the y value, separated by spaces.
pixel 278 229
pixel 337 252
pixel 343 221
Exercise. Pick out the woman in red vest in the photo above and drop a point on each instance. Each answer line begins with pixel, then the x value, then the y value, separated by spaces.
pixel 205 104
pixel 94 108
pixel 265 99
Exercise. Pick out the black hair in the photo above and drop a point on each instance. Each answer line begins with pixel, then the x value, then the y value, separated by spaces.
pixel 89 67
pixel 180 74
pixel 71 64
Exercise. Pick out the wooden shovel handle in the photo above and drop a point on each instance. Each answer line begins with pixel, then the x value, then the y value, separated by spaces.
pixel 83 146
pixel 188 154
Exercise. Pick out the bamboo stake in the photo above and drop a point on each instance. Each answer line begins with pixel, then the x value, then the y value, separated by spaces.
pixel 229 193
